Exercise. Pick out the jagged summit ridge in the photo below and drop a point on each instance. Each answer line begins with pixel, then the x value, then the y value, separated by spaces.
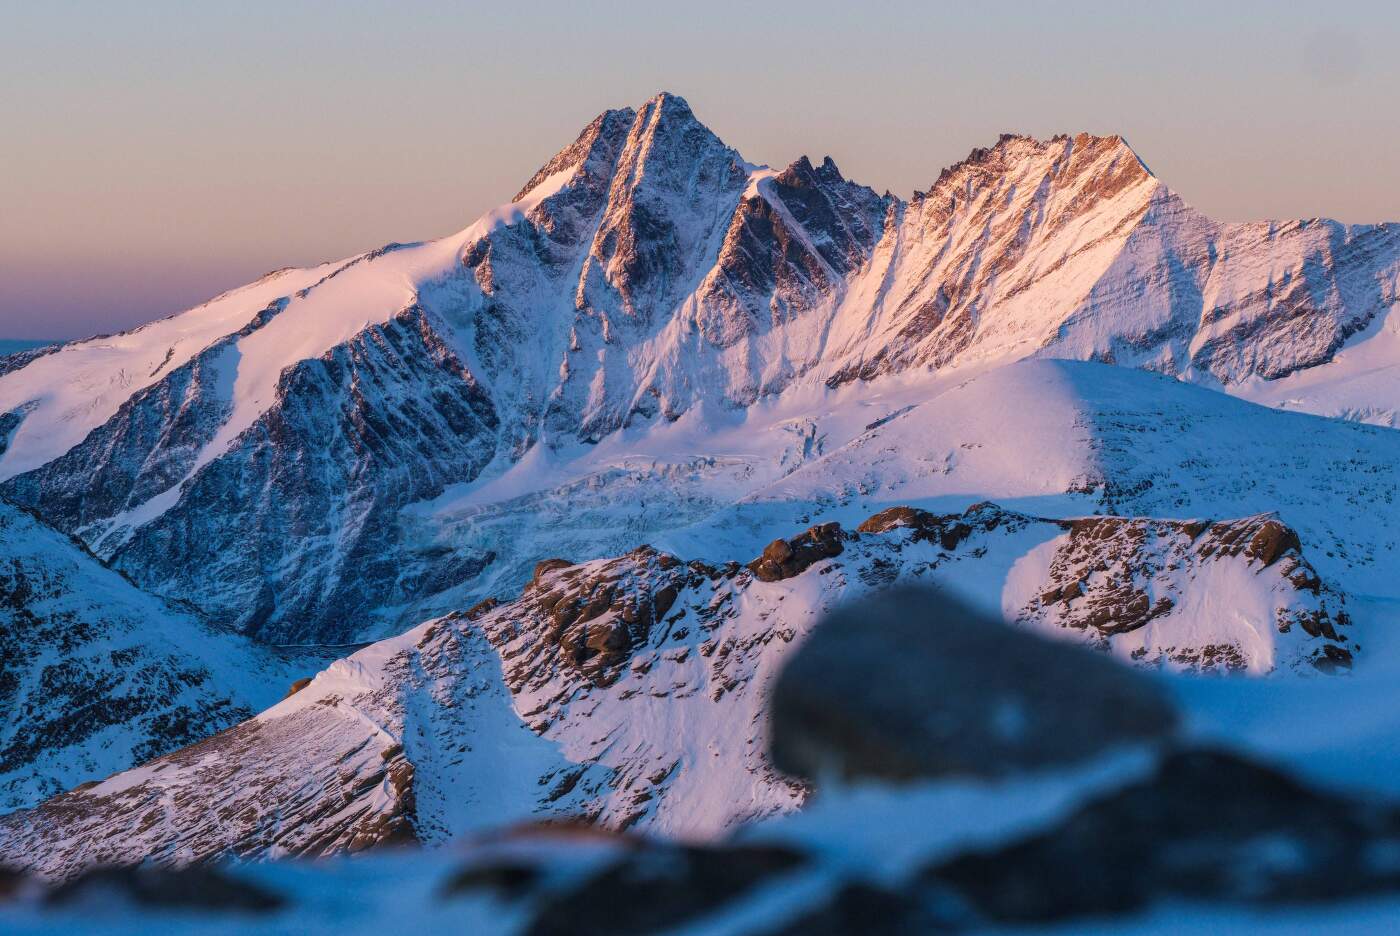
pixel 645 273
pixel 1013 148
pixel 606 130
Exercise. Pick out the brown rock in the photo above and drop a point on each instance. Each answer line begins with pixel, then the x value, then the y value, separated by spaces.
pixel 783 559
pixel 545 566
pixel 1271 541
pixel 895 518
pixel 949 531
pixel 487 605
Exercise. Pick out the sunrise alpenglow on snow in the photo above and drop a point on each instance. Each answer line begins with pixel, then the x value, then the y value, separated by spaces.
pixel 700 469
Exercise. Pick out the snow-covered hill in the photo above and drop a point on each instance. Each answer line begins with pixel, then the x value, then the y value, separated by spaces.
pixel 96 676
pixel 633 691
pixel 276 454
pixel 1049 438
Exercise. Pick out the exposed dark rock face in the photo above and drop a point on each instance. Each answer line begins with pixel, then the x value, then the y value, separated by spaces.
pixel 947 531
pixel 843 219
pixel 1105 577
pixel 788 249
pixel 17 360
pixel 150 445
pixel 9 422
pixel 785 558
pixel 658 887
pixel 674 187
pixel 96 676
pixel 672 168
pixel 595 149
pixel 1207 826
pixel 595 614
pixel 284 537
pixel 914 685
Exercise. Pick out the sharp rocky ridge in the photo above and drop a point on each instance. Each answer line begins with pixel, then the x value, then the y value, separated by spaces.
pixel 277 454
pixel 633 691
pixel 678 494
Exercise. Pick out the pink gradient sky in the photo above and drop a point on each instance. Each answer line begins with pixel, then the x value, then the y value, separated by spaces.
pixel 157 153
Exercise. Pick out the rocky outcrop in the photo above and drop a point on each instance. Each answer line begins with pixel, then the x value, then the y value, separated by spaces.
pixel 633 693
pixel 946 531
pixel 644 271
pixel 1116 576
pixel 914 685
pixel 784 558
pixel 96 676
pixel 595 615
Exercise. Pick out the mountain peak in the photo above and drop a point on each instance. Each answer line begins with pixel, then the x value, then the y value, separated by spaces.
pixel 1014 153
pixel 667 119
pixel 605 133
pixel 651 236
pixel 608 134
pixel 670 102
pixel 802 167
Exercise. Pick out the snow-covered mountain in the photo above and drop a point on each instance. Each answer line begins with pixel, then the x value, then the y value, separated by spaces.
pixel 306 458
pixel 633 691
pixel 591 471
pixel 97 676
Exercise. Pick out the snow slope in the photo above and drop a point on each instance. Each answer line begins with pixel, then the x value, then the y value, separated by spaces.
pixel 633 691
pixel 1035 385
pixel 96 676
pixel 646 277
pixel 1047 437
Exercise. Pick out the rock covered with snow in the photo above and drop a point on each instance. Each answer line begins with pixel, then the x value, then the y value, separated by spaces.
pixel 646 273
pixel 96 676
pixel 1143 841
pixel 913 684
pixel 634 691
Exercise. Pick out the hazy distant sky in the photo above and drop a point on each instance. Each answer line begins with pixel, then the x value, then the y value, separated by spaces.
pixel 153 154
